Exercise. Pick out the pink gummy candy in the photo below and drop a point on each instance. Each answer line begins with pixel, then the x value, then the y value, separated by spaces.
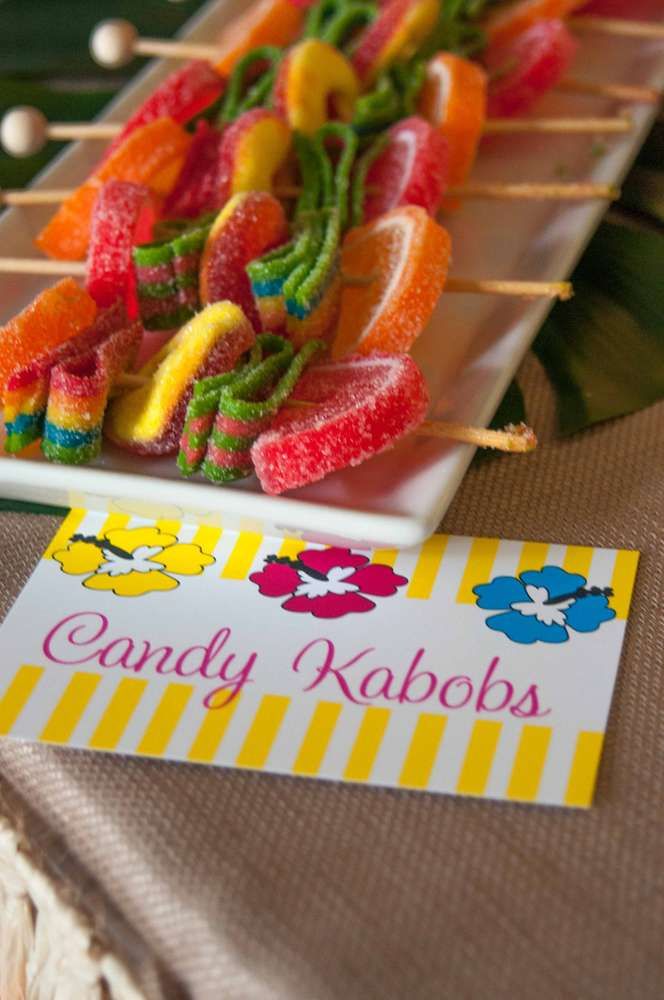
pixel 123 216
pixel 248 226
pixel 411 170
pixel 524 69
pixel 196 189
pixel 364 405
pixel 182 96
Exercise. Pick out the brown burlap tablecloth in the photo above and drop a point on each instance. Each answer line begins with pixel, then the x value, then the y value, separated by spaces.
pixel 214 884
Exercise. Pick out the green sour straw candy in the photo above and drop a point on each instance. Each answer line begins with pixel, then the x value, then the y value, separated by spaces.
pixel 245 409
pixel 202 410
pixel 241 95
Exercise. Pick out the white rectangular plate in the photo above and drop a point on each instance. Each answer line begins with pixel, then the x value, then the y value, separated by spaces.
pixel 469 352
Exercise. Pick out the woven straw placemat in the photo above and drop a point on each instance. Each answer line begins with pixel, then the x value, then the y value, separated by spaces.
pixel 213 884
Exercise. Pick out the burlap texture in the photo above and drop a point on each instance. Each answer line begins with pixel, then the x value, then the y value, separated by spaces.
pixel 213 884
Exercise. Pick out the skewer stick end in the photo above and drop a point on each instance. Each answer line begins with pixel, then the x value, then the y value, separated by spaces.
pixel 23 131
pixel 112 43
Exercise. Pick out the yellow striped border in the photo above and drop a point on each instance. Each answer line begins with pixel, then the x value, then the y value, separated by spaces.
pixel 423 756
pixel 482 555
pixel 622 582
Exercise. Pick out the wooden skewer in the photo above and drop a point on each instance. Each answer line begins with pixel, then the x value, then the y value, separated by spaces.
pixel 520 289
pixel 478 286
pixel 613 91
pixel 513 438
pixel 535 191
pixel 557 126
pixel 561 290
pixel 493 190
pixel 33 196
pixel 114 43
pixel 63 131
pixel 25 130
pixel 28 265
pixel 616 26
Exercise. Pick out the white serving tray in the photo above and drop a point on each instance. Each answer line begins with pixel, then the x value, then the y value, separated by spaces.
pixel 469 352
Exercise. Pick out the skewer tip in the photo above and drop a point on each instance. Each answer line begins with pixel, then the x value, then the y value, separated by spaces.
pixel 112 43
pixel 522 437
pixel 23 131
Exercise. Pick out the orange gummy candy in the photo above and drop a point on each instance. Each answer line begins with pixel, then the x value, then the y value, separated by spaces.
pixel 59 313
pixel 510 20
pixel 151 155
pixel 395 269
pixel 453 100
pixel 267 22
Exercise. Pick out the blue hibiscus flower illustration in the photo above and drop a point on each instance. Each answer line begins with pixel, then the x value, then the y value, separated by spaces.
pixel 543 605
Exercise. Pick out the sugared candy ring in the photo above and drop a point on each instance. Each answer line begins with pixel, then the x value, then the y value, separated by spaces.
pixel 313 75
pixel 149 420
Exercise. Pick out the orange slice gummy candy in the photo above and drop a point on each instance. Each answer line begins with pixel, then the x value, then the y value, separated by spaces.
pixel 151 155
pixel 267 22
pixel 510 20
pixel 453 99
pixel 59 313
pixel 395 269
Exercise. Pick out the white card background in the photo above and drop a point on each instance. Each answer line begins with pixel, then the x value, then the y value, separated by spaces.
pixel 326 698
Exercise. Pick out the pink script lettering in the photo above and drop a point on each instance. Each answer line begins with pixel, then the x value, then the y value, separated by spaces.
pixel 83 638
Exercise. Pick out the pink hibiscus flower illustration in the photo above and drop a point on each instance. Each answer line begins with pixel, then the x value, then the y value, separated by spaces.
pixel 327 583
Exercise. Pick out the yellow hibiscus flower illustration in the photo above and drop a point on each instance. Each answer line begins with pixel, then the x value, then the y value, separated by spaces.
pixel 132 562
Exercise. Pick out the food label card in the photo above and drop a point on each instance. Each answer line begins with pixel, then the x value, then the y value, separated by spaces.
pixel 469 666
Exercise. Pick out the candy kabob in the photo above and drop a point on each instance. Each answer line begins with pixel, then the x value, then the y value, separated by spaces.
pixel 296 286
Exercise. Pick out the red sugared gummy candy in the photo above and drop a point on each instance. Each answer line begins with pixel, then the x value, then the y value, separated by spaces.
pixel 364 404
pixel 524 70
pixel 123 216
pixel 182 96
pixel 196 189
pixel 249 225
pixel 411 170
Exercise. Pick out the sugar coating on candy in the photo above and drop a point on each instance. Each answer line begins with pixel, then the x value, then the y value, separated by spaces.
pixel 247 406
pixel 33 391
pixel 78 395
pixel 244 411
pixel 411 169
pixel 181 96
pixel 252 150
pixel 399 263
pixel 396 33
pixel 453 100
pixel 525 69
pixel 196 189
pixel 249 225
pixel 265 22
pixel 363 406
pixel 149 420
pixel 27 390
pixel 167 275
pixel 312 77
pixel 299 285
pixel 202 410
pixel 511 21
pixel 123 215
pixel 56 315
pixel 150 155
